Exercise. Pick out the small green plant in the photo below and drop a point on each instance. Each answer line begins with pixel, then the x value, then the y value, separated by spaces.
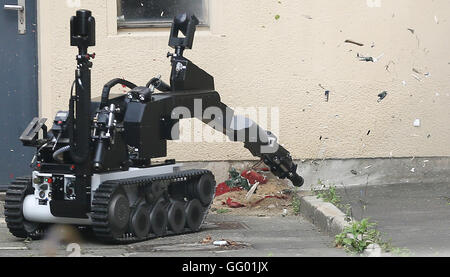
pixel 328 194
pixel 296 204
pixel 223 211
pixel 360 234
pixel 277 17
pixel 448 200
pixel 348 211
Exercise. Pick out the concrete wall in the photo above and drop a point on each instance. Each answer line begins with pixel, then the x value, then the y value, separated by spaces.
pixel 258 60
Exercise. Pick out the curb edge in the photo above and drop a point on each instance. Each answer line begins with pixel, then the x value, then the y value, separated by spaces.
pixel 324 215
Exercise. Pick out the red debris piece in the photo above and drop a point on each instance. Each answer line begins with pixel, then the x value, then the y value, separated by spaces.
pixel 233 204
pixel 222 188
pixel 284 197
pixel 254 177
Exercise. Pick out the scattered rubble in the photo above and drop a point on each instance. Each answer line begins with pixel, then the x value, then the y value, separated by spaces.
pixel 232 204
pixel 206 240
pixel 224 243
pixel 221 243
pixel 268 196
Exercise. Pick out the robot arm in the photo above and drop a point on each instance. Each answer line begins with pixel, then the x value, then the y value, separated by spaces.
pixel 190 85
pixel 259 142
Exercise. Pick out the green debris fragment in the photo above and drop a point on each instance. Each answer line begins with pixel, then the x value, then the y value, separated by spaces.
pixel 237 181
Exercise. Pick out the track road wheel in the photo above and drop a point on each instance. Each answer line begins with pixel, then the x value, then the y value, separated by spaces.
pixel 158 219
pixel 205 189
pixel 140 221
pixel 177 217
pixel 194 215
pixel 119 214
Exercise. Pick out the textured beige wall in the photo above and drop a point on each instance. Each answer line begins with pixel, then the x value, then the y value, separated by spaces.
pixel 257 60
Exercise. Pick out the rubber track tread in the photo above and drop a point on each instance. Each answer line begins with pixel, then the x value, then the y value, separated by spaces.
pixel 13 209
pixel 107 189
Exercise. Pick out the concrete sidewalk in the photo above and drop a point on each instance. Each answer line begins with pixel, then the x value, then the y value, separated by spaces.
pixel 415 216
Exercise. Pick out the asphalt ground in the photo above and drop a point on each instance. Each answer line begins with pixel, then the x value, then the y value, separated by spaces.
pixel 250 236
pixel 412 216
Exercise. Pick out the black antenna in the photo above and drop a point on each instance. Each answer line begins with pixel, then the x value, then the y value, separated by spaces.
pixel 82 35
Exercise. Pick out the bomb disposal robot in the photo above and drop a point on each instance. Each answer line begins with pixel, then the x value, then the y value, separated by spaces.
pixel 93 167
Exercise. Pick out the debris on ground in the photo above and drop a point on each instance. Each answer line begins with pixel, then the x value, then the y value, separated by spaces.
pixel 254 177
pixel 223 188
pixel 236 180
pixel 221 243
pixel 206 240
pixel 233 204
pixel 268 195
pixel 251 192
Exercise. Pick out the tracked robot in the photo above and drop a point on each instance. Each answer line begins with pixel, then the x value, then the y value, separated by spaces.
pixel 94 167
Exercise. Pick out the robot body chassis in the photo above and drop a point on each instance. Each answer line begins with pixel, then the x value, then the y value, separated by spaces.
pixel 93 167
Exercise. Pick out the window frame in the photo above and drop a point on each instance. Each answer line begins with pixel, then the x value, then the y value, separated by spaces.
pixel 157 24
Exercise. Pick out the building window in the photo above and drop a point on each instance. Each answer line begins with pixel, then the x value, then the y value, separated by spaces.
pixel 158 13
